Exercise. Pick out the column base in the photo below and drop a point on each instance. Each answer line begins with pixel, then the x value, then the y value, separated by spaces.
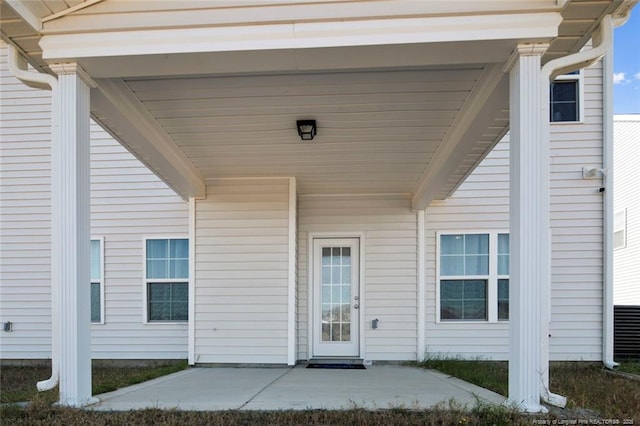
pixel 529 408
pixel 89 401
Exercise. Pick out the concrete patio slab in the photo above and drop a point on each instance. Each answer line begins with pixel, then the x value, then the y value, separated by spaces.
pixel 297 388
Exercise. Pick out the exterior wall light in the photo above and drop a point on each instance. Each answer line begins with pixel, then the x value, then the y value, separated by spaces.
pixel 306 129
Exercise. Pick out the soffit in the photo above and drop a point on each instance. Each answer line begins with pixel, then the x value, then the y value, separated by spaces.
pixel 377 131
pixel 21 22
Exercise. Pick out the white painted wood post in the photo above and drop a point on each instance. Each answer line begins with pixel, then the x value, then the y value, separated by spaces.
pixel 70 239
pixel 529 216
pixel 292 342
pixel 420 341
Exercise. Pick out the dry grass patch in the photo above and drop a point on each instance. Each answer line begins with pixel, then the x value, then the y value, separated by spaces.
pixel 590 391
pixel 587 385
pixel 58 416
pixel 18 384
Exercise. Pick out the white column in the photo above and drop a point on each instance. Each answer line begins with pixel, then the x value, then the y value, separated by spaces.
pixel 529 216
pixel 191 351
pixel 292 342
pixel 70 239
pixel 420 314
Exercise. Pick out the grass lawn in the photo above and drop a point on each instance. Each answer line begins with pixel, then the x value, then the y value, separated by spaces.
pixel 588 388
pixel 630 367
pixel 18 384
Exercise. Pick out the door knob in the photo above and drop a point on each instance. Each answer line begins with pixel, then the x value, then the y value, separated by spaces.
pixel 356 306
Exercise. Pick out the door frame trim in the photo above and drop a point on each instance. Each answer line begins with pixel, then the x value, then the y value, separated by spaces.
pixel 310 265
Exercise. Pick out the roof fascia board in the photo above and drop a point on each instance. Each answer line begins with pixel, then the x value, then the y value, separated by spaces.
pixel 194 14
pixel 489 96
pixel 21 9
pixel 65 12
pixel 121 113
pixel 304 35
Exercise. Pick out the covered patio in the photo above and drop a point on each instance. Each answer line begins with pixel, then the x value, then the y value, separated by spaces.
pixel 288 388
pixel 409 97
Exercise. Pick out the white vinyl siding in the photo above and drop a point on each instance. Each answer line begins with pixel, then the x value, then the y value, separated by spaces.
pixel 127 202
pixel 25 217
pixel 625 259
pixel 241 290
pixel 577 231
pixel 388 291
pixel 482 203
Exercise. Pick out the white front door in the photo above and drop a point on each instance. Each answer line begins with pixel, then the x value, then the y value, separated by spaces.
pixel 336 297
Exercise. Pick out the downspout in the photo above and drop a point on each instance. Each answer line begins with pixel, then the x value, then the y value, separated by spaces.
pixel 18 66
pixel 602 39
pixel 607 184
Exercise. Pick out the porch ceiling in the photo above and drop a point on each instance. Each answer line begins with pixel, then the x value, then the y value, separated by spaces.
pixel 377 131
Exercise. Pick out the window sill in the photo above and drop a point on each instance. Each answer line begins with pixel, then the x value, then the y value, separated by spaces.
pixel 566 122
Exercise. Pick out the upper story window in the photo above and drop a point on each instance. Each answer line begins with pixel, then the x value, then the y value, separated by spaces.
pixel 167 279
pixel 566 98
pixel 473 276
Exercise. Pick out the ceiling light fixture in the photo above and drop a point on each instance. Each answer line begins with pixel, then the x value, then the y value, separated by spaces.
pixel 306 129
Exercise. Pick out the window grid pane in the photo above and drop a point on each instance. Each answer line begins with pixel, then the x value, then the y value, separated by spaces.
pixel 564 101
pixel 462 255
pixel 168 301
pixel 463 299
pixel 503 299
pixel 96 278
pixel 503 254
pixel 96 268
pixel 95 302
pixel 168 258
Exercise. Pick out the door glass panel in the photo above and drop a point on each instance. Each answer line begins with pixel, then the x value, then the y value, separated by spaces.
pixel 326 275
pixel 346 294
pixel 326 294
pixel 336 294
pixel 326 256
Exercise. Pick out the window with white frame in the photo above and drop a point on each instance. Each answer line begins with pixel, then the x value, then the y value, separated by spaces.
pixel 503 277
pixel 565 98
pixel 167 279
pixel 473 276
pixel 97 281
pixel 620 229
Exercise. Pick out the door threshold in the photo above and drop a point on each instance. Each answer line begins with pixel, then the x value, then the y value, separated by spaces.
pixel 336 360
pixel 337 363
